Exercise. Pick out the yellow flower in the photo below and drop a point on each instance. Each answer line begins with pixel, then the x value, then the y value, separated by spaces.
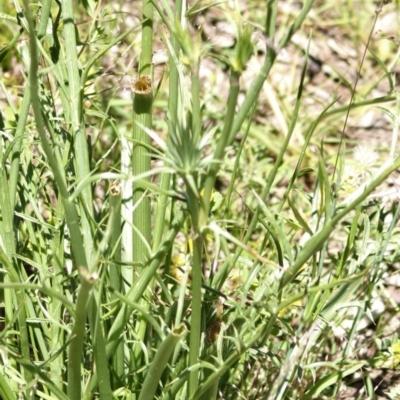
pixel 178 268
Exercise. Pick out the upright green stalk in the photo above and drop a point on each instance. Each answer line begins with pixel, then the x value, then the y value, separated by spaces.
pixel 81 154
pixel 142 108
pixel 44 18
pixel 221 146
pixel 173 101
pixel 114 270
pixel 160 362
pixel 56 332
pixel 197 280
pixel 141 161
pixel 78 335
pixel 270 57
pixel 194 206
pixel 196 112
pixel 17 145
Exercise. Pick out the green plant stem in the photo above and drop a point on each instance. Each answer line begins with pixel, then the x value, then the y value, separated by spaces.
pixel 59 303
pixel 78 334
pixel 17 145
pixel 6 393
pixel 173 101
pixel 100 357
pixel 75 97
pixel 270 58
pixel 141 162
pixel 159 363
pixel 196 112
pixel 44 18
pixel 194 209
pixel 215 165
pixel 8 239
pixel 359 104
pixel 114 271
pixel 43 289
pixel 127 208
pixel 197 280
pixel 142 108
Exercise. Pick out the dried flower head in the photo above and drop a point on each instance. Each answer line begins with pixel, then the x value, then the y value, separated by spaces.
pixel 213 331
pixel 115 188
pixel 142 85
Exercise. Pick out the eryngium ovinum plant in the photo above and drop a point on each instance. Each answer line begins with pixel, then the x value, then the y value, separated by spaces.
pixel 168 294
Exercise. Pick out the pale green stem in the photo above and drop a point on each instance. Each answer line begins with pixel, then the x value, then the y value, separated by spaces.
pixel 218 157
pixel 160 362
pixel 17 145
pixel 255 89
pixel 141 159
pixel 173 101
pixel 197 280
pixel 81 154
